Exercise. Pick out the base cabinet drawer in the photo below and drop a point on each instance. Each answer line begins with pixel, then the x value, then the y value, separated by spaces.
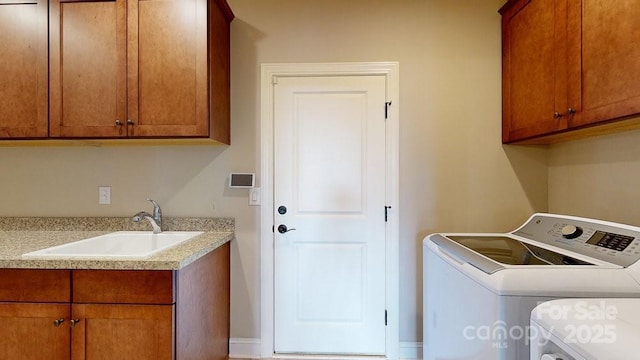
pixel 26 285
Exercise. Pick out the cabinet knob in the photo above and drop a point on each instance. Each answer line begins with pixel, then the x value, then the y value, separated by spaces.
pixel 58 322
pixel 118 123
pixel 74 322
pixel 130 122
pixel 571 111
pixel 557 115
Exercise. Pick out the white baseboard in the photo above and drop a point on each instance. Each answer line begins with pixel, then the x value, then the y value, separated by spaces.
pixel 410 350
pixel 245 348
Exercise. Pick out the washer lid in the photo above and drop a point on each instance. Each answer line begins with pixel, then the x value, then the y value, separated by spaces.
pixel 509 251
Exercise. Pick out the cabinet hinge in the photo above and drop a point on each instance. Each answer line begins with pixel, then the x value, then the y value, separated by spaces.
pixel 385 318
pixel 386 213
pixel 274 80
pixel 386 109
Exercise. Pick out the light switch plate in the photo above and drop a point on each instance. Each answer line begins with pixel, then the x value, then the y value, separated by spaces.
pixel 254 196
pixel 104 195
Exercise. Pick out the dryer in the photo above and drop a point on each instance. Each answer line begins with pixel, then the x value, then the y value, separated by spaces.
pixel 480 288
pixel 586 329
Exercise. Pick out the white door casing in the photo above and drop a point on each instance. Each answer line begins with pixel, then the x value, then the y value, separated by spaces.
pixel 311 200
pixel 329 185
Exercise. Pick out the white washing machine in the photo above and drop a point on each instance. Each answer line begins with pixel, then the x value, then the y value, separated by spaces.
pixel 480 288
pixel 586 329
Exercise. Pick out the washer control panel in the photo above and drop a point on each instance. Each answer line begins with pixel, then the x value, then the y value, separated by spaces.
pixel 610 241
pixel 614 243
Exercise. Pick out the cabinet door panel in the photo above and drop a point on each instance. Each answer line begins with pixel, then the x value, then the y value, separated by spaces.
pixel 23 65
pixel 167 68
pixel 610 61
pixel 135 332
pixel 88 83
pixel 28 332
pixel 534 68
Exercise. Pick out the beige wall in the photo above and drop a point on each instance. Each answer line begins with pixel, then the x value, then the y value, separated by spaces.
pixel 454 173
pixel 597 177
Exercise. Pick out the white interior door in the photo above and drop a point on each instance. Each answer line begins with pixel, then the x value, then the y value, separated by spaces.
pixel 329 185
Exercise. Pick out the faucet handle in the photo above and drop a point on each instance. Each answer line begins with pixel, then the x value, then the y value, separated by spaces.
pixel 157 212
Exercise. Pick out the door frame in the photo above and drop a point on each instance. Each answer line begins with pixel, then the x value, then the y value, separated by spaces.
pixel 269 74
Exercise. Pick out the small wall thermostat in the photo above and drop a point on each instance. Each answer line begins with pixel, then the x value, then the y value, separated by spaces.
pixel 242 181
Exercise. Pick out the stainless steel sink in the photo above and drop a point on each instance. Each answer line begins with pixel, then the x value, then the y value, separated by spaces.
pixel 121 244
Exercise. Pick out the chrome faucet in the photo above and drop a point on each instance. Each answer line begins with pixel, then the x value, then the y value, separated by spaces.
pixel 155 219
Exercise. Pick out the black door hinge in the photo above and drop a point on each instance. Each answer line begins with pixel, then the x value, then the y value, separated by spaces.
pixel 386 109
pixel 386 213
pixel 385 318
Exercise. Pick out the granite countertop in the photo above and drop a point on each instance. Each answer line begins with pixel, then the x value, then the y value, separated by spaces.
pixel 22 235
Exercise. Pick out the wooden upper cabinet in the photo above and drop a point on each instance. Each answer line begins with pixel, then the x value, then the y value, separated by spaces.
pixel 220 15
pixel 605 40
pixel 87 65
pixel 167 68
pixel 138 68
pixel 23 69
pixel 534 68
pixel 569 65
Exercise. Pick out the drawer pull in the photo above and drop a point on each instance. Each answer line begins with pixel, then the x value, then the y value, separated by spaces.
pixel 74 322
pixel 58 322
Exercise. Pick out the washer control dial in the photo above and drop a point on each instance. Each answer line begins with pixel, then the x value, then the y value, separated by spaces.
pixel 571 231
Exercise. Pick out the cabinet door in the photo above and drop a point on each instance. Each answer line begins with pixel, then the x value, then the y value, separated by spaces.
pixel 534 68
pixel 135 332
pixel 28 331
pixel 87 68
pixel 167 68
pixel 606 43
pixel 23 65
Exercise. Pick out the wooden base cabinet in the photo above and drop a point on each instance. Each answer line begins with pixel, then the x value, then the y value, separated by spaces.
pixel 134 332
pixel 570 68
pixel 34 310
pixel 118 314
pixel 30 331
